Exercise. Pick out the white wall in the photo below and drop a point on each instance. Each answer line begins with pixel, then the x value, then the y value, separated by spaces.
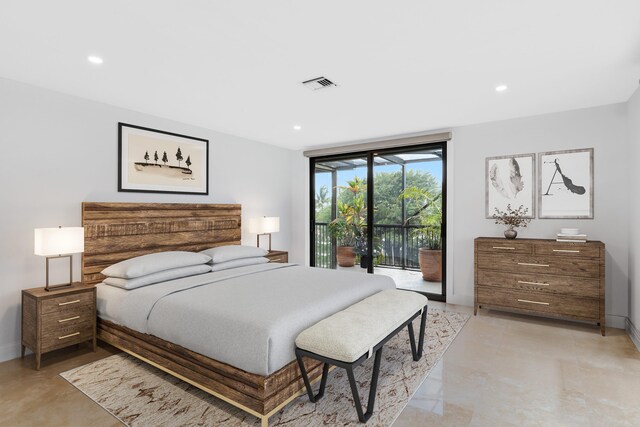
pixel 603 128
pixel 58 151
pixel 633 121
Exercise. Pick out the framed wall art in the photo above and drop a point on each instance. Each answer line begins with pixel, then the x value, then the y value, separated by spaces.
pixel 155 161
pixel 510 180
pixel 565 187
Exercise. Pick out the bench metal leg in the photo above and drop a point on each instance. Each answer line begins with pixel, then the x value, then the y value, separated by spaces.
pixel 372 389
pixel 417 355
pixel 307 384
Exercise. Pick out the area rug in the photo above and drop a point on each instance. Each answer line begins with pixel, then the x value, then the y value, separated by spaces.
pixel 138 394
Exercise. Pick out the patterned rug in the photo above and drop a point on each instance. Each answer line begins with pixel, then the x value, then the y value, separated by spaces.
pixel 138 394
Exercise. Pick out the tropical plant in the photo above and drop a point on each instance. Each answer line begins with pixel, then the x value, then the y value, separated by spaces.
pixel 428 215
pixel 352 214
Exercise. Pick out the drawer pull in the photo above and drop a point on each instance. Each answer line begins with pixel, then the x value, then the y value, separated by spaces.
pixel 533 302
pixel 533 283
pixel 70 302
pixel 70 318
pixel 567 251
pixel 69 336
pixel 504 247
pixel 533 265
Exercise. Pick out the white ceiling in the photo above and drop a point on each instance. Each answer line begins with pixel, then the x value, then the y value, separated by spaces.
pixel 401 66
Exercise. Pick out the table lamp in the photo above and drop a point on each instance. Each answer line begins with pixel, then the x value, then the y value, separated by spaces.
pixel 264 225
pixel 60 242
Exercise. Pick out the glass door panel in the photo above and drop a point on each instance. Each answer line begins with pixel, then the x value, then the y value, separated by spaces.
pixel 340 213
pixel 408 218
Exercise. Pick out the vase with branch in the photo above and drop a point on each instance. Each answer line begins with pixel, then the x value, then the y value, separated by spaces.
pixel 512 218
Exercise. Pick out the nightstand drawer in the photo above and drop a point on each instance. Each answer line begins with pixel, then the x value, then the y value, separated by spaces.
pixel 67 303
pixel 79 314
pixel 279 258
pixel 68 335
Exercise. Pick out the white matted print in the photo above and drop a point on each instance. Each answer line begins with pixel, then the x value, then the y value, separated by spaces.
pixel 155 161
pixel 566 184
pixel 509 180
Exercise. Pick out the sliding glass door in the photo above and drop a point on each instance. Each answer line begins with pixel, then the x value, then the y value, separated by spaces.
pixel 383 212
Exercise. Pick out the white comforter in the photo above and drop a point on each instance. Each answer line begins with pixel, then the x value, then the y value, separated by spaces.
pixel 247 317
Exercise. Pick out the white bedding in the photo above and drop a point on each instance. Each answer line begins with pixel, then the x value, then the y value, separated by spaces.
pixel 247 317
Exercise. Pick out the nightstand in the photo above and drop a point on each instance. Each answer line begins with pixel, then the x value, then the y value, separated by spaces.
pixel 58 318
pixel 278 256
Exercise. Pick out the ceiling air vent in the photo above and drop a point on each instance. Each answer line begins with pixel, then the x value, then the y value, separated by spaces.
pixel 318 83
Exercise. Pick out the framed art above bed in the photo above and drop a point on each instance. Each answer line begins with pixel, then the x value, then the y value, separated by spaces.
pixel 155 161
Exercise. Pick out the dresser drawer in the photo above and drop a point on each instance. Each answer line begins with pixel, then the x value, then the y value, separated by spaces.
pixel 579 267
pixel 67 303
pixel 566 285
pixel 505 246
pixel 67 335
pixel 577 250
pixel 562 305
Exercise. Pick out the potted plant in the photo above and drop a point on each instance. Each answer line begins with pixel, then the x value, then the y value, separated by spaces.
pixel 429 217
pixel 361 249
pixel 512 219
pixel 350 222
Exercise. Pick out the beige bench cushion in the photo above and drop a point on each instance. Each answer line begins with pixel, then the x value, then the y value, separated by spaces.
pixel 350 333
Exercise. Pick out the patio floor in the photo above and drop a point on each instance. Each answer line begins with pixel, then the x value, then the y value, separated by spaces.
pixel 405 279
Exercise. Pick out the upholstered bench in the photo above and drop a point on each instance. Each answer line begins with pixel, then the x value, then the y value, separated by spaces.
pixel 349 337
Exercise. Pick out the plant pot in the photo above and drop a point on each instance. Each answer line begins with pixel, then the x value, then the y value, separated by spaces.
pixel 346 256
pixel 510 233
pixel 364 261
pixel 430 264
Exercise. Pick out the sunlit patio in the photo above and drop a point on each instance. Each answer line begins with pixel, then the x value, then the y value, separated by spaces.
pixel 405 279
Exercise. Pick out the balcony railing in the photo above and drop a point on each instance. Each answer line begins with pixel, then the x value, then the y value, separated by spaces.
pixel 399 243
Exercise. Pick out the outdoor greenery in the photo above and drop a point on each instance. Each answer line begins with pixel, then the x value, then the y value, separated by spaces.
pixel 428 215
pixel 388 187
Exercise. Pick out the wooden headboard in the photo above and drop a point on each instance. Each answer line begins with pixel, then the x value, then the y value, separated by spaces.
pixel 114 232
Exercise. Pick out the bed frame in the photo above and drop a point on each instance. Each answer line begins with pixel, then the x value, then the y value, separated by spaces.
pixel 118 231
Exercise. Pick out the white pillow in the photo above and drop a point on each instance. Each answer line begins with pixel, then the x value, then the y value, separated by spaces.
pixel 238 263
pixel 160 276
pixel 153 263
pixel 231 252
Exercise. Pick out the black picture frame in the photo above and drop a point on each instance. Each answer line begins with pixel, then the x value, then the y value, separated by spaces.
pixel 136 174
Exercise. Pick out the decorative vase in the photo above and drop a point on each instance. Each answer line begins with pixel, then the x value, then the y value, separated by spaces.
pixel 510 233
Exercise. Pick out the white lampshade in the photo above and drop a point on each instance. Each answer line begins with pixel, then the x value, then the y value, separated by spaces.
pixel 58 241
pixel 264 225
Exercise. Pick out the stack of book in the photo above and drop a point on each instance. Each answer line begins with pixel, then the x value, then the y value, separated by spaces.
pixel 573 238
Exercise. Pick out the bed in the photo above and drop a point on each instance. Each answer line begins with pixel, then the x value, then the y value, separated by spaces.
pixel 231 332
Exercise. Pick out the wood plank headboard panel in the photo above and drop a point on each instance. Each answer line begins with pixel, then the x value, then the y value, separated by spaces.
pixel 114 232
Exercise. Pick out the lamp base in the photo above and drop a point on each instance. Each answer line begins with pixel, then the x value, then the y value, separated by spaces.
pixel 49 287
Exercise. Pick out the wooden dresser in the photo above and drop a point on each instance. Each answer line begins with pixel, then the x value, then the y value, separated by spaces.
pixel 540 276
pixel 58 318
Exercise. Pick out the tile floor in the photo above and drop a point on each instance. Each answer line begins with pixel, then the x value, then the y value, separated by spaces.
pixel 502 370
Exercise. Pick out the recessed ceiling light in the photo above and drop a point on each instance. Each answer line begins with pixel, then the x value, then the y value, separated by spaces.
pixel 297 127
pixel 501 88
pixel 95 59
